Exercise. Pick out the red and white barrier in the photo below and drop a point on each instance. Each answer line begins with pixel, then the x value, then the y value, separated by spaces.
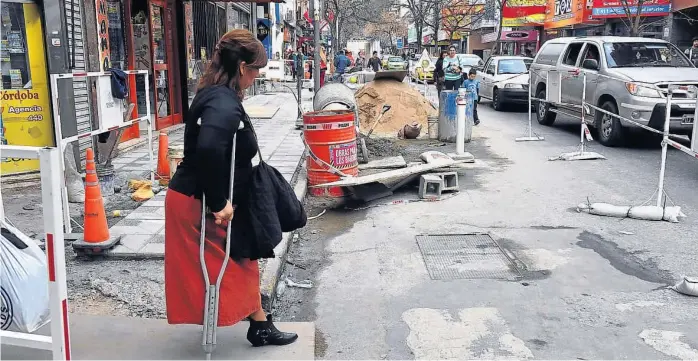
pixel 105 124
pixel 58 342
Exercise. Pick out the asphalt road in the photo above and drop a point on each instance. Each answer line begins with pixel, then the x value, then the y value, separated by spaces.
pixel 590 288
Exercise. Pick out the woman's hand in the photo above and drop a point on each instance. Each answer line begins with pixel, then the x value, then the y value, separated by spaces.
pixel 225 214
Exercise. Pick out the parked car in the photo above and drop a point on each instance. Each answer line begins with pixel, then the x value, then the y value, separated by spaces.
pixel 504 80
pixel 627 76
pixel 384 61
pixel 470 60
pixel 396 63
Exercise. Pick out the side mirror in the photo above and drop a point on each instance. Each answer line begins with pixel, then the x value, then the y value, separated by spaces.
pixel 591 64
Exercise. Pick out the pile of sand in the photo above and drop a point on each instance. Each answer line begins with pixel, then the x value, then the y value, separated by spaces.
pixel 407 106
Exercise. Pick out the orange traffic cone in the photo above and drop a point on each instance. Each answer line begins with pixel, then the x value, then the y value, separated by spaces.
pixel 96 231
pixel 163 170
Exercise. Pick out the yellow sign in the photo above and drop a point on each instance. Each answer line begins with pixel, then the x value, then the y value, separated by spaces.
pixel 25 107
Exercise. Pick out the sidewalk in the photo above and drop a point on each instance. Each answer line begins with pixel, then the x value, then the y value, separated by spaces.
pixel 143 230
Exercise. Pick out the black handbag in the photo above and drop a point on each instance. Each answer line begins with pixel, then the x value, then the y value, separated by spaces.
pixel 269 185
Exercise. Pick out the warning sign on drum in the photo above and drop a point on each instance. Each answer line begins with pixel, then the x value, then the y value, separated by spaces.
pixel 343 156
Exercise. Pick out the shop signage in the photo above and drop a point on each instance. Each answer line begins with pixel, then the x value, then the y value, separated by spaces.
pixel 514 35
pixel 103 35
pixel 263 35
pixel 619 8
pixel 411 34
pixel 523 13
pixel 25 113
pixel 561 13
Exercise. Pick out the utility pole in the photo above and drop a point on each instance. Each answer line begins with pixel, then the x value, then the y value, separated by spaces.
pixel 253 28
pixel 315 14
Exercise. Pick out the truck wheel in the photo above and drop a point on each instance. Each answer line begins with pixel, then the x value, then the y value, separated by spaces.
pixel 543 113
pixel 611 131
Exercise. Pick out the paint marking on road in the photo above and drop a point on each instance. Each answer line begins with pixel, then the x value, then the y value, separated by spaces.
pixel 479 333
pixel 623 307
pixel 669 343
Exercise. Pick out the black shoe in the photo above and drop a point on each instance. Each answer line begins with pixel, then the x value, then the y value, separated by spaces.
pixel 477 122
pixel 262 333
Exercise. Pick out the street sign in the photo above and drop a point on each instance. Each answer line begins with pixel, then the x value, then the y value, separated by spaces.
pixel 399 43
pixel 424 59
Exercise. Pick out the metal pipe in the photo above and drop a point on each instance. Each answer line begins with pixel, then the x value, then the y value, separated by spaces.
pixel 584 95
pixel 665 138
pixel 315 13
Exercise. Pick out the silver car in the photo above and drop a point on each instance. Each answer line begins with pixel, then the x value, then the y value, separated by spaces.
pixel 625 75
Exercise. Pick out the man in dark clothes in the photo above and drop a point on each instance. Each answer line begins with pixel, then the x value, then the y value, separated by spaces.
pixel 375 62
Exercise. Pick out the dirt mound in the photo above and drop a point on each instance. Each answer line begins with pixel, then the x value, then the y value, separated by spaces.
pixel 408 106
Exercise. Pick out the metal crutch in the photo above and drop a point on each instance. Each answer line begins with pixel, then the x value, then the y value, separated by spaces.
pixel 213 291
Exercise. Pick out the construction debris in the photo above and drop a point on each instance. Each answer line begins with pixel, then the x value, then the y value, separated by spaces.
pixel 385 163
pixel 648 213
pixel 410 131
pixel 408 105
pixel 143 190
pixel 688 286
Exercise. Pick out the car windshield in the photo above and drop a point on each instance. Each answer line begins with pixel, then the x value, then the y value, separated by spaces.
pixel 395 58
pixel 512 66
pixel 627 55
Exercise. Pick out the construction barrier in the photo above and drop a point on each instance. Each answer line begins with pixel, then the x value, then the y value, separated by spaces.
pixel 109 117
pixel 553 93
pixel 51 172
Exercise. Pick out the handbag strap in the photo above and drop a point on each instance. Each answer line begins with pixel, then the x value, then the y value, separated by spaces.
pixel 248 123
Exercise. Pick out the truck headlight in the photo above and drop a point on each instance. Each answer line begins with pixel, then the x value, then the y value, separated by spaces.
pixel 513 86
pixel 643 90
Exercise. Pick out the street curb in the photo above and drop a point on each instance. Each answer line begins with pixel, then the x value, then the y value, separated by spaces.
pixel 272 271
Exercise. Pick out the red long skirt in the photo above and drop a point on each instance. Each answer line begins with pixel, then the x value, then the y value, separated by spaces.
pixel 185 288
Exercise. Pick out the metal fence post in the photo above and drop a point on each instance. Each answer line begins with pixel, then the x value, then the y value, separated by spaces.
pixel 665 138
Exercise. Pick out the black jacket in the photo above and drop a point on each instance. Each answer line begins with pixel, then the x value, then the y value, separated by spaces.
pixel 439 68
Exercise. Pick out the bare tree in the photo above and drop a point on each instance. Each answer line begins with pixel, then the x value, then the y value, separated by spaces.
pixel 499 10
pixel 455 16
pixel 348 18
pixel 388 28
pixel 633 18
pixel 418 10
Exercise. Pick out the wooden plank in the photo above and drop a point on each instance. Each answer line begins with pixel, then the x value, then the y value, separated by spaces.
pixel 386 176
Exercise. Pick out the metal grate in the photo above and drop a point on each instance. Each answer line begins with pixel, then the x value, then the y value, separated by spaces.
pixel 466 256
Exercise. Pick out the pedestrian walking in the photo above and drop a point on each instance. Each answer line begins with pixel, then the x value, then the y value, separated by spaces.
pixel 439 75
pixel 473 87
pixel 323 66
pixel 375 62
pixel 692 52
pixel 217 116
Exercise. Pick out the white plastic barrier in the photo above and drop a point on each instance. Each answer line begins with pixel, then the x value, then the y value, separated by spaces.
pixel 109 118
pixel 50 161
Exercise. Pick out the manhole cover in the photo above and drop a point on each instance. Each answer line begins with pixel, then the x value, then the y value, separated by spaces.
pixel 465 256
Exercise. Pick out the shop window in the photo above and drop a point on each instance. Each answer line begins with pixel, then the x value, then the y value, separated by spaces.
pixel 158 19
pixel 117 39
pixel 14 59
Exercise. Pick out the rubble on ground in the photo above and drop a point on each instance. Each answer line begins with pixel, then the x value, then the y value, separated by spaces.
pixel 408 106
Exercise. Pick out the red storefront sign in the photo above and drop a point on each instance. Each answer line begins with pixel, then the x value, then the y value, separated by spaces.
pixel 523 12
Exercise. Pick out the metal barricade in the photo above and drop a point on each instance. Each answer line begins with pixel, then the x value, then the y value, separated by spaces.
pixel 554 90
pixel 51 171
pixel 103 126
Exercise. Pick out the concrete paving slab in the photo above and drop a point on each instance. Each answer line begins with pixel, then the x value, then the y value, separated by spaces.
pixel 129 338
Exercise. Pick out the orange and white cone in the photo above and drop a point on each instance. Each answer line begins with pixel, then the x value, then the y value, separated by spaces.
pixel 96 230
pixel 163 170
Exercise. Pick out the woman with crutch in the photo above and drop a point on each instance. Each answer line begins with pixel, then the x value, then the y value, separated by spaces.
pixel 215 123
